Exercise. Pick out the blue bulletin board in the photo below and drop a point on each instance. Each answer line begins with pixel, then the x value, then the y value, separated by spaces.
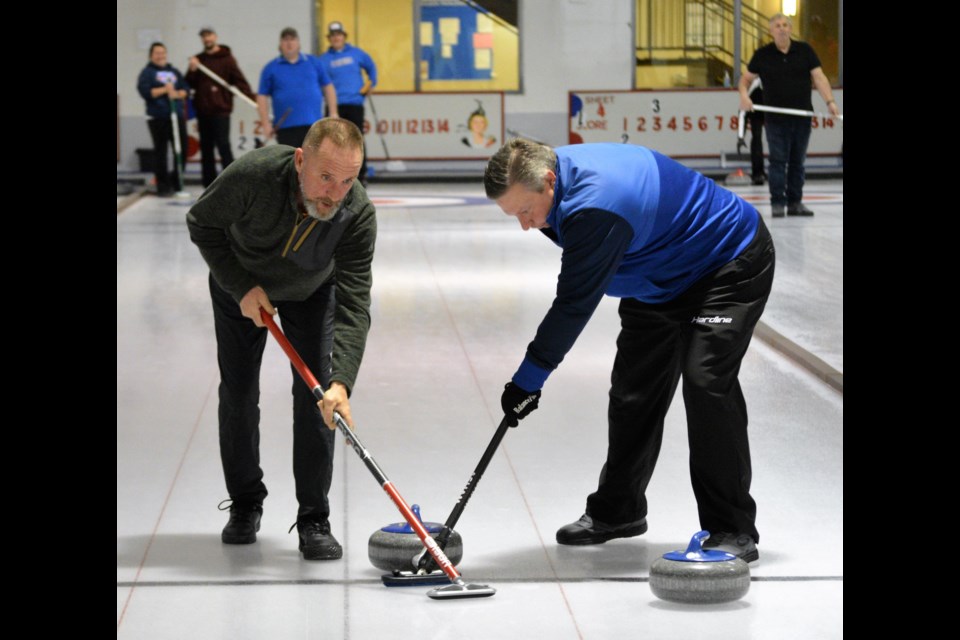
pixel 456 43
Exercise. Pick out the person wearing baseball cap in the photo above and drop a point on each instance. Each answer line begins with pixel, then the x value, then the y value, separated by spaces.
pixel 346 66
pixel 297 84
pixel 213 102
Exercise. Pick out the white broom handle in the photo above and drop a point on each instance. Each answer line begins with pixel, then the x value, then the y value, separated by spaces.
pixel 794 112
pixel 223 82
pixel 177 149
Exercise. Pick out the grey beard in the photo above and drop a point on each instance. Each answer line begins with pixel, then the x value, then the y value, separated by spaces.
pixel 313 212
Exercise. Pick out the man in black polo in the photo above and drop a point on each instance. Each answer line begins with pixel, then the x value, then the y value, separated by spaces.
pixel 788 69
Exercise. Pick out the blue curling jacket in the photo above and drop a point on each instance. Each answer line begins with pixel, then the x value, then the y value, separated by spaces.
pixel 344 69
pixel 632 223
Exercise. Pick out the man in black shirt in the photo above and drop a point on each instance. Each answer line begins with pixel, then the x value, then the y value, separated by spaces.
pixel 788 69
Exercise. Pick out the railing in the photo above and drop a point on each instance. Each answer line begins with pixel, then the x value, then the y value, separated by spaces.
pixel 698 32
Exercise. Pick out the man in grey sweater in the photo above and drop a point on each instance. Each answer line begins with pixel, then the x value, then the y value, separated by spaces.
pixel 290 231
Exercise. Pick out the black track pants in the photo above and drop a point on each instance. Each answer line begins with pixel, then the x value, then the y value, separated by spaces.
pixel 702 337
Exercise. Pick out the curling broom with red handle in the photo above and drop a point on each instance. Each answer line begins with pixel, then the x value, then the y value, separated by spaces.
pixel 459 588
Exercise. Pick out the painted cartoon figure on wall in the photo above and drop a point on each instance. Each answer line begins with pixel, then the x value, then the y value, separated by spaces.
pixel 477 123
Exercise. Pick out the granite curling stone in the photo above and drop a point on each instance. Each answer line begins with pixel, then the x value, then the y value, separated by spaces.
pixel 699 576
pixel 396 547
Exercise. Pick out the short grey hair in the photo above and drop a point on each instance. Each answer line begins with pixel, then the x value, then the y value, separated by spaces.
pixel 519 161
pixel 777 16
pixel 343 133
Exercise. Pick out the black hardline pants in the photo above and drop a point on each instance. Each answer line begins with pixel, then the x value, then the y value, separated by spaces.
pixel 702 337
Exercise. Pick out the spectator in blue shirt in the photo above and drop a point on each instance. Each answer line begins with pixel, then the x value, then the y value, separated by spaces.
pixel 346 65
pixel 297 84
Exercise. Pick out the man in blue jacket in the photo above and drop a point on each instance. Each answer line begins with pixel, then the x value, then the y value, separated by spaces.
pixel 346 64
pixel 693 265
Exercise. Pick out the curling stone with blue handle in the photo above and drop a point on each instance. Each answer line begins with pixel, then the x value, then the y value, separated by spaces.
pixel 700 576
pixel 396 546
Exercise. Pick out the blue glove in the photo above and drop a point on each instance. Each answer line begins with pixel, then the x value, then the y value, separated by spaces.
pixel 518 403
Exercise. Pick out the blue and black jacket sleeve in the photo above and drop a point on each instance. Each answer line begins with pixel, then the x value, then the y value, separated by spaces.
pixel 594 243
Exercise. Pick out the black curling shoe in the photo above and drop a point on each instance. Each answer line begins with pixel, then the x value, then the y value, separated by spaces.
pixel 738 544
pixel 586 530
pixel 243 524
pixel 316 541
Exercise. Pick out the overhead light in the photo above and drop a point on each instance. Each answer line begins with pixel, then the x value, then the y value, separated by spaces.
pixel 789 7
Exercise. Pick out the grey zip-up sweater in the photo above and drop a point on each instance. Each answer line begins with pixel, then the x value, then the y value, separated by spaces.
pixel 250 231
